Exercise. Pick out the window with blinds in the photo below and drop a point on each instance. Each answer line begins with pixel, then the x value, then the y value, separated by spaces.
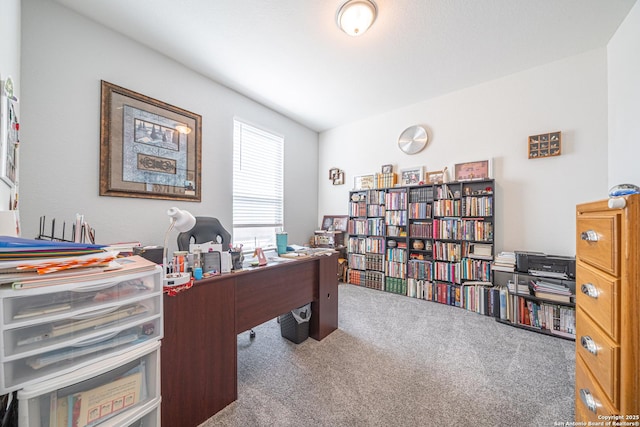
pixel 257 186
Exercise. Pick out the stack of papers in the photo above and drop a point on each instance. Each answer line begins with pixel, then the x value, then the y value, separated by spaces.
pixel 17 248
pixel 28 263
pixel 551 291
pixel 504 261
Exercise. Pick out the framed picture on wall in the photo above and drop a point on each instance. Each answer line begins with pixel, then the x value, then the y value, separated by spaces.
pixel 9 133
pixel 148 148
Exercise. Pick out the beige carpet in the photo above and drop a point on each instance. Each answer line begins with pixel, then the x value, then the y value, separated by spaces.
pixel 398 361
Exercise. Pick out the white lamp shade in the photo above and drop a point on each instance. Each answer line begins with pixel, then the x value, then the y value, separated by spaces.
pixel 183 220
pixel 356 16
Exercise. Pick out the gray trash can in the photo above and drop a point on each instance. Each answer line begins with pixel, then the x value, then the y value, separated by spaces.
pixel 294 325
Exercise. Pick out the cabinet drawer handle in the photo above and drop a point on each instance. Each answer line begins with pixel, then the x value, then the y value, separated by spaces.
pixel 589 290
pixel 588 400
pixel 589 345
pixel 589 236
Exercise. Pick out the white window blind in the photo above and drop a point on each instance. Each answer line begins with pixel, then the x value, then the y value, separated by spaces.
pixel 257 186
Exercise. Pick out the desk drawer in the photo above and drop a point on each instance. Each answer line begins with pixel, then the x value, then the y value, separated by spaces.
pixel 599 353
pixel 597 241
pixel 591 402
pixel 598 295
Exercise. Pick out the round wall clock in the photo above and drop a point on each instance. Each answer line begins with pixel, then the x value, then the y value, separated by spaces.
pixel 413 139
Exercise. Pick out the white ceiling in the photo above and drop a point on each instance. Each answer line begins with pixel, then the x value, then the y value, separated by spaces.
pixel 290 56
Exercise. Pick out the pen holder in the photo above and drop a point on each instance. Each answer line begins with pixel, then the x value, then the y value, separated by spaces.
pixel 236 260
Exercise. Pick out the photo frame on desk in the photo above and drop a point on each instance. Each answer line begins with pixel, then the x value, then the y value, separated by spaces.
pixel 148 148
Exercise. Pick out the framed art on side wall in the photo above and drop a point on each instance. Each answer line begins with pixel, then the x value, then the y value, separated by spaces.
pixel 148 148
pixel 9 133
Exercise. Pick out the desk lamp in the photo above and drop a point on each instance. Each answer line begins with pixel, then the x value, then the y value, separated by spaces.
pixel 181 221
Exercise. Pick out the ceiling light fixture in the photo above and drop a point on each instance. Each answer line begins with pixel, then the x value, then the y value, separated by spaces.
pixel 356 16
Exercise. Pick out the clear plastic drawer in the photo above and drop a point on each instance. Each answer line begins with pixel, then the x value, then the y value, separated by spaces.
pixel 21 370
pixel 58 302
pixel 40 338
pixel 123 390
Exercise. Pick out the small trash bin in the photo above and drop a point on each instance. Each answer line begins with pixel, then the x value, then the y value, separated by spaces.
pixel 294 325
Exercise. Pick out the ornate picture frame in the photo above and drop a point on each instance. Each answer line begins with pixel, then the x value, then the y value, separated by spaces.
pixel 148 148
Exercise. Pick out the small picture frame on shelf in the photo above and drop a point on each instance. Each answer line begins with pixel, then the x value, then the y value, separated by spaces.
pixel 411 176
pixel 473 171
pixel 435 177
pixel 387 168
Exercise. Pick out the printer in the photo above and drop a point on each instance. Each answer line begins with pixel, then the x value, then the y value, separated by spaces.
pixel 541 264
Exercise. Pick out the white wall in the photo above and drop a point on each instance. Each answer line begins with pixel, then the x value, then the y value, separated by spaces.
pixel 10 67
pixel 535 198
pixel 64 57
pixel 623 53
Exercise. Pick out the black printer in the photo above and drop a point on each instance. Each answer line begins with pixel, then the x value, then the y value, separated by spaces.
pixel 541 264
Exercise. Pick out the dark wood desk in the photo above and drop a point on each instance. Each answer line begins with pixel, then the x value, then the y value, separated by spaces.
pixel 199 349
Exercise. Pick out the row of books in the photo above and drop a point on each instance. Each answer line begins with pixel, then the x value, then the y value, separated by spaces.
pixel 446 207
pixel 557 319
pixel 420 210
pixel 477 296
pixel 423 194
pixel 375 262
pixel 395 200
pixel 477 206
pixel 395 218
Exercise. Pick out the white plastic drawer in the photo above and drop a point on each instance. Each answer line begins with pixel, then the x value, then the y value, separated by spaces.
pixel 123 391
pixel 19 372
pixel 47 304
pixel 40 338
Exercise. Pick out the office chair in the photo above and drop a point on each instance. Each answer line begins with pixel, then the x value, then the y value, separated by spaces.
pixel 207 229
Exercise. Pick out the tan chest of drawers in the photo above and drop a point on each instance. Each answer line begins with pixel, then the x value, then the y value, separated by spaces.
pixel 607 310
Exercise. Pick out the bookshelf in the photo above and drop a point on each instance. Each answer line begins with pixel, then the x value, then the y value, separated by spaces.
pixel 536 310
pixel 435 242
